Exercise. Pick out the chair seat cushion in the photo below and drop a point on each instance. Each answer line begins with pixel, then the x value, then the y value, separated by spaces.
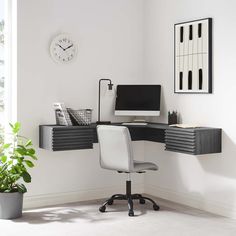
pixel 141 166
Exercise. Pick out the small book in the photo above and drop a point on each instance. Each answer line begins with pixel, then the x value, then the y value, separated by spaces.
pixel 185 126
pixel 62 116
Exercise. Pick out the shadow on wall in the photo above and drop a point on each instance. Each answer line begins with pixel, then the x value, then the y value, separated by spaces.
pixel 196 180
pixel 224 163
pixel 220 174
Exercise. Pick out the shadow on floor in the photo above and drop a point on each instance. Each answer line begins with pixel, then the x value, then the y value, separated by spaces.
pixel 88 211
pixel 70 213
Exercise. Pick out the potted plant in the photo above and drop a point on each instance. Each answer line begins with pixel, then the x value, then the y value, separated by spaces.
pixel 15 158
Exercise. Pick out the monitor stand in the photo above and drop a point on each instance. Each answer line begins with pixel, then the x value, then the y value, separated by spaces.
pixel 139 119
pixel 136 121
pixel 103 122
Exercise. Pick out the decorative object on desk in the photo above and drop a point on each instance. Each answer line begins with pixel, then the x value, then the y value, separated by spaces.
pixel 193 56
pixel 110 85
pixel 15 158
pixel 172 118
pixel 62 116
pixel 63 49
pixel 81 116
pixel 185 126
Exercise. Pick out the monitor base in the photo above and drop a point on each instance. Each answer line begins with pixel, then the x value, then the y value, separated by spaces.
pixel 138 120
pixel 134 123
pixel 103 122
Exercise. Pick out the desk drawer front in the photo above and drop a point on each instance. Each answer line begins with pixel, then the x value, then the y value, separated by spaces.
pixel 183 140
pixel 66 138
pixel 193 141
pixel 79 138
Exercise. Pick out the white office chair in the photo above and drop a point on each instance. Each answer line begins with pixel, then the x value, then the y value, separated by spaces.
pixel 116 153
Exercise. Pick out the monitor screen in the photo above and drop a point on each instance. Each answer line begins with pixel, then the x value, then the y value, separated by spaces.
pixel 138 100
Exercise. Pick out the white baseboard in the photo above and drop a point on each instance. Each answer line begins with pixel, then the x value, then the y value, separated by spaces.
pixel 98 193
pixel 192 200
pixel 81 195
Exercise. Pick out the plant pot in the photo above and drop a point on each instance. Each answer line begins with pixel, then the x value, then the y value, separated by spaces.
pixel 11 205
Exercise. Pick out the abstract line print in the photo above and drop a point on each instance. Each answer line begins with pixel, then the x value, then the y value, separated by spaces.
pixel 193 56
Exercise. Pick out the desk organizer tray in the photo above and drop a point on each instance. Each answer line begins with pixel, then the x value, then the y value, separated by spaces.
pixel 81 116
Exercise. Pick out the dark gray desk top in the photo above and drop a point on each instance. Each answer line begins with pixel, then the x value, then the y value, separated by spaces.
pixel 149 125
pixel 94 125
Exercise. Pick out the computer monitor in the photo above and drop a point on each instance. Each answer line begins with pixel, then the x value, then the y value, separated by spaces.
pixel 138 100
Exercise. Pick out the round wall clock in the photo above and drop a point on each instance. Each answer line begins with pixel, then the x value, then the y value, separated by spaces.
pixel 63 49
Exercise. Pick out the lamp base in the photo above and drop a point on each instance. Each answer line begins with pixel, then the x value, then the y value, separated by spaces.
pixel 103 122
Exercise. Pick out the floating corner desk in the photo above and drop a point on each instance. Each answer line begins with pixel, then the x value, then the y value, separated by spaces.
pixel 195 141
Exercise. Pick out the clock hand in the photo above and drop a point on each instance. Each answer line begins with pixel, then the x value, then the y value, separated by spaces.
pixel 69 47
pixel 61 47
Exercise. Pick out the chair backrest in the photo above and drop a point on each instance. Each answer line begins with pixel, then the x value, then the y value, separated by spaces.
pixel 116 151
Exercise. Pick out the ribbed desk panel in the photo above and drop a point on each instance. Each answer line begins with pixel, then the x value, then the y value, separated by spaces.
pixel 183 140
pixel 72 139
pixel 195 141
pixel 65 138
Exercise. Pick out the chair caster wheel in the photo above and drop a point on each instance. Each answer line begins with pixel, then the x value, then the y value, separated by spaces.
pixel 142 201
pixel 131 213
pixel 102 209
pixel 156 207
pixel 110 202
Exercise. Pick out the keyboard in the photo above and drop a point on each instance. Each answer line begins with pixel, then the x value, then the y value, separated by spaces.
pixel 134 123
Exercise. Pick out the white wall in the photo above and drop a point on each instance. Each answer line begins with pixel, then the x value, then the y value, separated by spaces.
pixel 110 37
pixel 112 44
pixel 208 181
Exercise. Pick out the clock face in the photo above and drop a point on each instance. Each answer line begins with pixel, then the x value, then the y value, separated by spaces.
pixel 63 49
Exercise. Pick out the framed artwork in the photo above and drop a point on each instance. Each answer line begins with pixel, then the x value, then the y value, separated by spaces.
pixel 193 56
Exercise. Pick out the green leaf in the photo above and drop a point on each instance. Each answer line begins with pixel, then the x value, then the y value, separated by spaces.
pixel 16 127
pixel 18 169
pixel 7 191
pixel 16 176
pixel 14 156
pixel 31 151
pixel 3 168
pixel 33 157
pixel 29 163
pixel 21 188
pixel 22 147
pixel 26 177
pixel 6 145
pixel 3 159
pixel 28 143
pixel 20 151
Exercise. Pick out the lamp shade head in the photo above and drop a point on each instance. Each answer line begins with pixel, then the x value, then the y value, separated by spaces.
pixel 110 86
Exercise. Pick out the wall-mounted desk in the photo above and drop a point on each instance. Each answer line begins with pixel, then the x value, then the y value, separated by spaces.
pixel 192 141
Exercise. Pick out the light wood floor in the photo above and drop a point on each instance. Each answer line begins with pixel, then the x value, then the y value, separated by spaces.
pixel 84 219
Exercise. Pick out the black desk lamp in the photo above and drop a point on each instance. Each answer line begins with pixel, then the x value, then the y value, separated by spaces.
pixel 99 102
